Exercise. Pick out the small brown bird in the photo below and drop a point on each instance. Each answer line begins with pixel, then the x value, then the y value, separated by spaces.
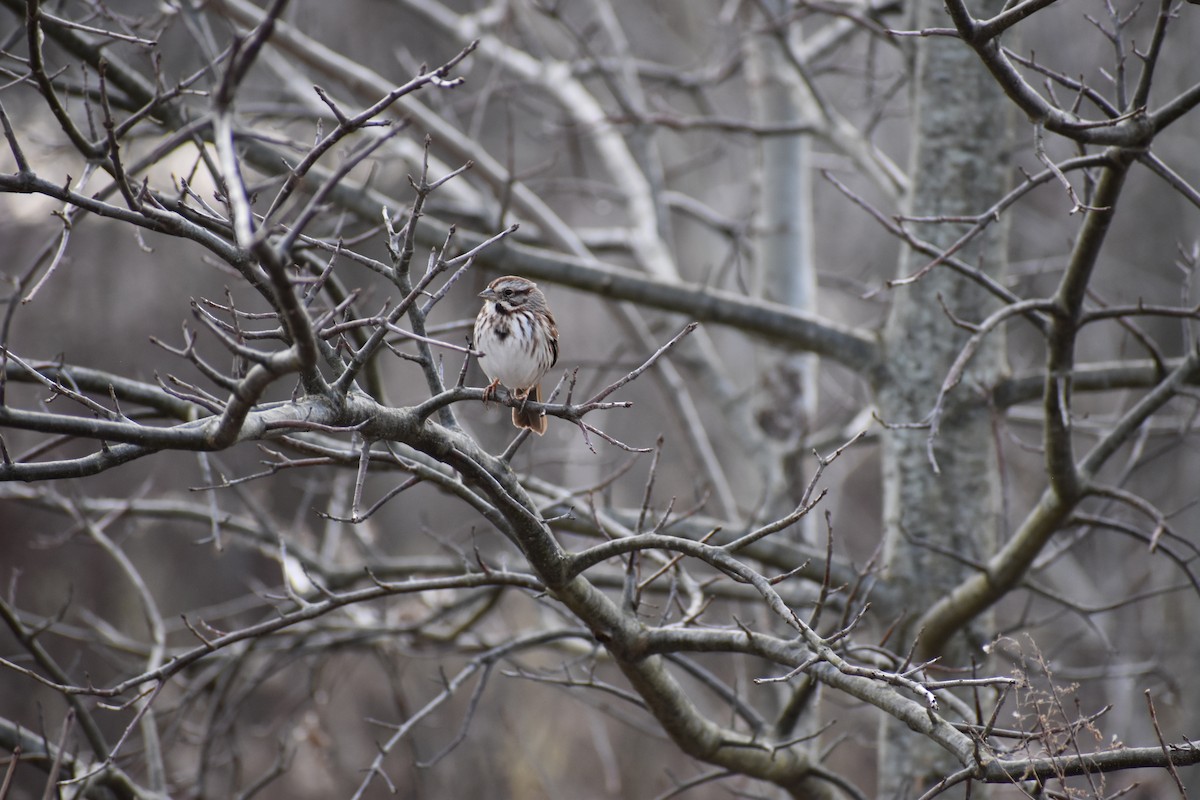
pixel 516 334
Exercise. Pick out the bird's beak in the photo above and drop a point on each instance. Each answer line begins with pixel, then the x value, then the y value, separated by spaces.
pixel 487 294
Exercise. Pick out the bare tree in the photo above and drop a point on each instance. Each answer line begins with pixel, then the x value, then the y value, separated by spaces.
pixel 798 511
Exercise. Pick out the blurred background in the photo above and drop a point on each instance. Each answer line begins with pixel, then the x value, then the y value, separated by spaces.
pixel 553 90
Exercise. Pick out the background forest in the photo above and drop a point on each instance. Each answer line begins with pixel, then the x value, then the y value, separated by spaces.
pixel 871 468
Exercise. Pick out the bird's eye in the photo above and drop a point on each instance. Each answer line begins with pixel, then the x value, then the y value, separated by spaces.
pixel 507 292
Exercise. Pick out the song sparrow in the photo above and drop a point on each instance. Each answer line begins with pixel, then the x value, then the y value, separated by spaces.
pixel 516 333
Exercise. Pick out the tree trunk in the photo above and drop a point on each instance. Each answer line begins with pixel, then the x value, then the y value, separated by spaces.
pixel 939 521
pixel 784 271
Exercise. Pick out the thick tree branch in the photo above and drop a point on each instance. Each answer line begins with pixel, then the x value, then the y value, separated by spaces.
pixel 763 319
pixel 1009 566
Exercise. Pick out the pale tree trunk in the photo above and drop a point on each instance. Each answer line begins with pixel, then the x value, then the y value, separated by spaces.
pixel 938 522
pixel 784 271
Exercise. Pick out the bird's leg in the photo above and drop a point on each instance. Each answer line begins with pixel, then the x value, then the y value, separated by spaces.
pixel 489 391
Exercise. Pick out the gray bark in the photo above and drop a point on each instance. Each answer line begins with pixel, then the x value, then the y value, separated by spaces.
pixel 938 522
